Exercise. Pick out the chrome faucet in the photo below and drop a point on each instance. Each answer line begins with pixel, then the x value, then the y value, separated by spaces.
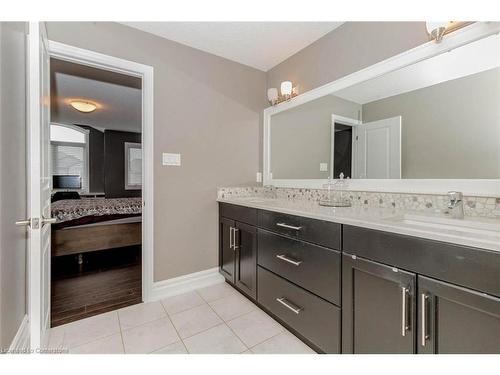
pixel 455 204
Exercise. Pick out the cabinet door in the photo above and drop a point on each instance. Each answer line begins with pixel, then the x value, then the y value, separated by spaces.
pixel 226 252
pixel 378 308
pixel 453 319
pixel 246 259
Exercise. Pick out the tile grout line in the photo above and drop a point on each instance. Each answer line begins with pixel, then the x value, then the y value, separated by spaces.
pixel 234 333
pixel 173 325
pixel 95 339
pixel 121 332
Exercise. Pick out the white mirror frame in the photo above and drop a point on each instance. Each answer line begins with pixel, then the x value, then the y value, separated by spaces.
pixel 471 187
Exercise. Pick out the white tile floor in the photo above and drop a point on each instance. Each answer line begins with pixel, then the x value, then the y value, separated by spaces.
pixel 216 319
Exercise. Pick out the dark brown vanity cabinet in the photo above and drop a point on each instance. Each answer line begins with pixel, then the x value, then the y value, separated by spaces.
pixel 238 248
pixel 379 309
pixel 454 320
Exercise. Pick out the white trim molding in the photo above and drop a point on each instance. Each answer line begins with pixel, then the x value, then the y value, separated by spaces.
pixel 145 72
pixel 472 187
pixel 21 341
pixel 186 283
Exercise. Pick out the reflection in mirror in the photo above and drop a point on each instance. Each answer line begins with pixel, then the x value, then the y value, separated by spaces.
pixel 438 118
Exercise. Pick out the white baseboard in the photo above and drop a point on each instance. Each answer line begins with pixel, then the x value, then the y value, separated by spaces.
pixel 21 341
pixel 186 283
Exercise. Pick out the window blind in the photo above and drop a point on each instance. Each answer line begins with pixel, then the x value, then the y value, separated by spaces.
pixel 69 159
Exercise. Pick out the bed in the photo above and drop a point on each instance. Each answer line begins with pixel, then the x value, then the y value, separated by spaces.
pixel 92 224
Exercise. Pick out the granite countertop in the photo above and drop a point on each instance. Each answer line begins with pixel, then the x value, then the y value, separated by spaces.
pixel 384 219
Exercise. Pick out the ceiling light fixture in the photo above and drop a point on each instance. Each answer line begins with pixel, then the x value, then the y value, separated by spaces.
pixel 83 106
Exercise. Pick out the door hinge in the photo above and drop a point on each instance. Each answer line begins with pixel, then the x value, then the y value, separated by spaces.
pixel 357 138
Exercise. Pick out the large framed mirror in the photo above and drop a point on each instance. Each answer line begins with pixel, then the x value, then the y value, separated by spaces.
pixel 426 120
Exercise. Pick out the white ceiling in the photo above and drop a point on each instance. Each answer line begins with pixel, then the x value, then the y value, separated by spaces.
pixel 261 45
pixel 118 97
pixel 472 58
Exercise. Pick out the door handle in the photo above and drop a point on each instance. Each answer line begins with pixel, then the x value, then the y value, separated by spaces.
pixel 23 223
pixel 289 260
pixel 425 335
pixel 50 220
pixel 404 310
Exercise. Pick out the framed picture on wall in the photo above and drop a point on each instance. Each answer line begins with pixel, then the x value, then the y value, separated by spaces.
pixel 133 166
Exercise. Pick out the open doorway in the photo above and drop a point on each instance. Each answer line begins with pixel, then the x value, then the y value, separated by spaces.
pixel 96 176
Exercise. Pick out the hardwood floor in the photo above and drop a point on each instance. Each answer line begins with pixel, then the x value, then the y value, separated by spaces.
pixel 104 281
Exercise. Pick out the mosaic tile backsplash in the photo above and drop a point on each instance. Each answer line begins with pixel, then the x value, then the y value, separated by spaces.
pixel 473 206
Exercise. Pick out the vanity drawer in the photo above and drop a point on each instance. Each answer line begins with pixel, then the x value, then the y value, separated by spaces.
pixel 239 213
pixel 312 267
pixel 320 232
pixel 311 317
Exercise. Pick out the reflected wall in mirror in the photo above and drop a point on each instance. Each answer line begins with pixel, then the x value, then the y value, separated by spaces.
pixel 436 119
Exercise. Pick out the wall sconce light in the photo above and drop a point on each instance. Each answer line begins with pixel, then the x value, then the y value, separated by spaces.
pixel 437 30
pixel 287 92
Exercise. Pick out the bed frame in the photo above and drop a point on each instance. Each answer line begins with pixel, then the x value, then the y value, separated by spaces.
pixel 93 238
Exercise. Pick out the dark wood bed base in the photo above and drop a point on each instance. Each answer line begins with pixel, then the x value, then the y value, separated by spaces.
pixel 100 237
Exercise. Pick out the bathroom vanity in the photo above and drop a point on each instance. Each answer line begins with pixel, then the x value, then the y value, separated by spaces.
pixel 363 281
pixel 392 273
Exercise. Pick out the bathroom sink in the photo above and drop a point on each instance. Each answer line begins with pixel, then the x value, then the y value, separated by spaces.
pixel 439 223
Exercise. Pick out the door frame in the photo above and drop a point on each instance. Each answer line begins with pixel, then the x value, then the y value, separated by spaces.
pixel 146 73
pixel 348 122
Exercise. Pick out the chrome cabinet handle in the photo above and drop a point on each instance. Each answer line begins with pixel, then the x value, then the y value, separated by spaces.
pixel 425 336
pixel 289 305
pixel 283 225
pixel 235 230
pixel 289 260
pixel 404 317
pixel 231 237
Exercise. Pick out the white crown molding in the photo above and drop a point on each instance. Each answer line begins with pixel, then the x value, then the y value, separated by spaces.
pixel 186 283
pixel 472 187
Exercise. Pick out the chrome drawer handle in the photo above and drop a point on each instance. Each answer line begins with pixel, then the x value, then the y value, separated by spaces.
pixel 283 225
pixel 289 305
pixel 289 260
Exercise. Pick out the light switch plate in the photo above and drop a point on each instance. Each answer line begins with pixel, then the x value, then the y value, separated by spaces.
pixel 171 159
pixel 323 167
pixel 258 177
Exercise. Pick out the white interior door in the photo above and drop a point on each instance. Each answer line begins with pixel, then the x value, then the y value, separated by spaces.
pixel 378 149
pixel 38 183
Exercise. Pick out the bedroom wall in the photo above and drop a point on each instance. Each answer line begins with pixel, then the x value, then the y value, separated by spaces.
pixel 205 107
pixel 13 239
pixel 114 163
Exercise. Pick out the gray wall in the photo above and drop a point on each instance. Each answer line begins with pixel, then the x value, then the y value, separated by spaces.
pixel 448 130
pixel 300 137
pixel 12 179
pixel 349 48
pixel 206 108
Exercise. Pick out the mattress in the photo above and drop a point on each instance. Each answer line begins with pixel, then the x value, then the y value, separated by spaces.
pixel 73 212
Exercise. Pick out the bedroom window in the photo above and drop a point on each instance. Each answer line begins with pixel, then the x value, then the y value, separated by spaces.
pixel 70 152
pixel 133 166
